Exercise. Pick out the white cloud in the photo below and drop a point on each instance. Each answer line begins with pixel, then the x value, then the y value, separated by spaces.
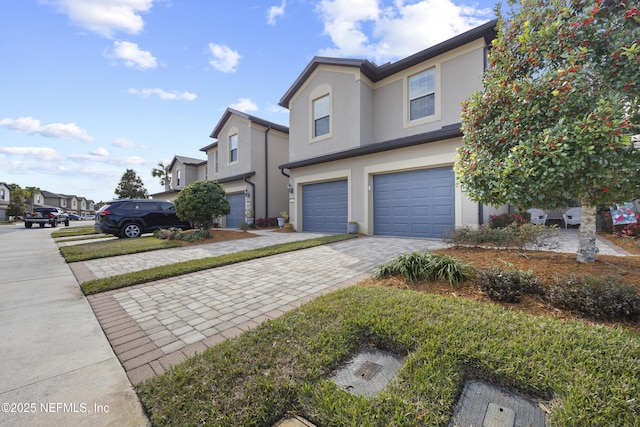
pixel 130 161
pixel 39 153
pixel 245 105
pixel 55 130
pixel 123 143
pixel 132 56
pixel 274 108
pixel 223 58
pixel 361 28
pixel 105 17
pixel 100 152
pixel 164 95
pixel 275 12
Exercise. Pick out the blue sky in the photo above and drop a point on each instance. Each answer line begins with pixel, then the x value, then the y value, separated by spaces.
pixel 90 88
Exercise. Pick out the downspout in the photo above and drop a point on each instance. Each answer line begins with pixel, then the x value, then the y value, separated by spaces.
pixel 253 192
pixel 283 173
pixel 266 172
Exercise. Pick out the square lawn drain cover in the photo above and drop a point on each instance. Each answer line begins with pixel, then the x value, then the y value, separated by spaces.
pixel 369 372
pixel 483 404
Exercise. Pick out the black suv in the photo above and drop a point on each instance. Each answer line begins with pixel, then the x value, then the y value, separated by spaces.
pixel 132 217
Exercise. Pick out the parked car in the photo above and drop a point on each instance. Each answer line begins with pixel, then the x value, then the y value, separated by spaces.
pixel 46 215
pixel 74 217
pixel 131 217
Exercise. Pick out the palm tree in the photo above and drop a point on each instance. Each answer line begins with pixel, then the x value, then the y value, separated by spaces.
pixel 164 173
pixel 30 193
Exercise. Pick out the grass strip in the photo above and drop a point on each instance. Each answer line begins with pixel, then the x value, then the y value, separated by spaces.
pixel 110 248
pixel 75 231
pixel 585 375
pixel 87 238
pixel 128 279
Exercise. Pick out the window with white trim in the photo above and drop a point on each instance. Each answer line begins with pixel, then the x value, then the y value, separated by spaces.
pixel 178 179
pixel 233 148
pixel 215 162
pixel 321 116
pixel 422 94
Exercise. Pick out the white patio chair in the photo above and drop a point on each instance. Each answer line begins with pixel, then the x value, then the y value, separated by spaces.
pixel 572 216
pixel 538 216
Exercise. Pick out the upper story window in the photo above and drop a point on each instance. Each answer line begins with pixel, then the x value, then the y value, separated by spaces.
pixel 233 148
pixel 422 93
pixel 215 162
pixel 2 194
pixel 178 177
pixel 321 116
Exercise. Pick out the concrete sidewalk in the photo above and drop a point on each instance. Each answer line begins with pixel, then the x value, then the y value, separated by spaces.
pixel 57 367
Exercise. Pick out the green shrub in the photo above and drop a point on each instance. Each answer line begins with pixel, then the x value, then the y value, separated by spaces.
pixel 508 286
pixel 505 220
pixel 525 236
pixel 600 298
pixel 167 233
pixel 178 234
pixel 425 266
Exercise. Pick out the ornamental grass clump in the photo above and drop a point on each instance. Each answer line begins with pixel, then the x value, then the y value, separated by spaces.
pixel 425 266
pixel 508 286
pixel 599 298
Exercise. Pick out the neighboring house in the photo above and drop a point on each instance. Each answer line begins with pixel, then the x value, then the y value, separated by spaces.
pixel 245 159
pixel 183 170
pixel 36 201
pixel 56 200
pixel 72 203
pixel 376 144
pixel 5 198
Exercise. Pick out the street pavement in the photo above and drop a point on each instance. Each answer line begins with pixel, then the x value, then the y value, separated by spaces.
pixel 71 360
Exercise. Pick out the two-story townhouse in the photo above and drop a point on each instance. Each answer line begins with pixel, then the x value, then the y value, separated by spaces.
pixel 82 206
pixel 72 203
pixel 56 200
pixel 35 200
pixel 244 159
pixel 5 198
pixel 376 144
pixel 183 171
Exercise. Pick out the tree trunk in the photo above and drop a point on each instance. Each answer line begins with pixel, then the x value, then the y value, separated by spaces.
pixel 587 238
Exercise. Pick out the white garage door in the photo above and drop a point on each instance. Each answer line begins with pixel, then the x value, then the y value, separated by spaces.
pixel 417 203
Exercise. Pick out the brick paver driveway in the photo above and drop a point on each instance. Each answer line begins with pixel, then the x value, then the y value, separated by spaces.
pixel 156 325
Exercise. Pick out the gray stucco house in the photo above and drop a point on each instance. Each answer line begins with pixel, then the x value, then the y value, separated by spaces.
pixel 376 144
pixel 244 158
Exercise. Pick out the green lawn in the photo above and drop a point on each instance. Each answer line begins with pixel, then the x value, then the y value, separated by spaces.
pixel 184 267
pixel 84 230
pixel 587 375
pixel 110 248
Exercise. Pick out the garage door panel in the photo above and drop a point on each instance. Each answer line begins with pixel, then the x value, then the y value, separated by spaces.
pixel 236 215
pixel 414 203
pixel 325 207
